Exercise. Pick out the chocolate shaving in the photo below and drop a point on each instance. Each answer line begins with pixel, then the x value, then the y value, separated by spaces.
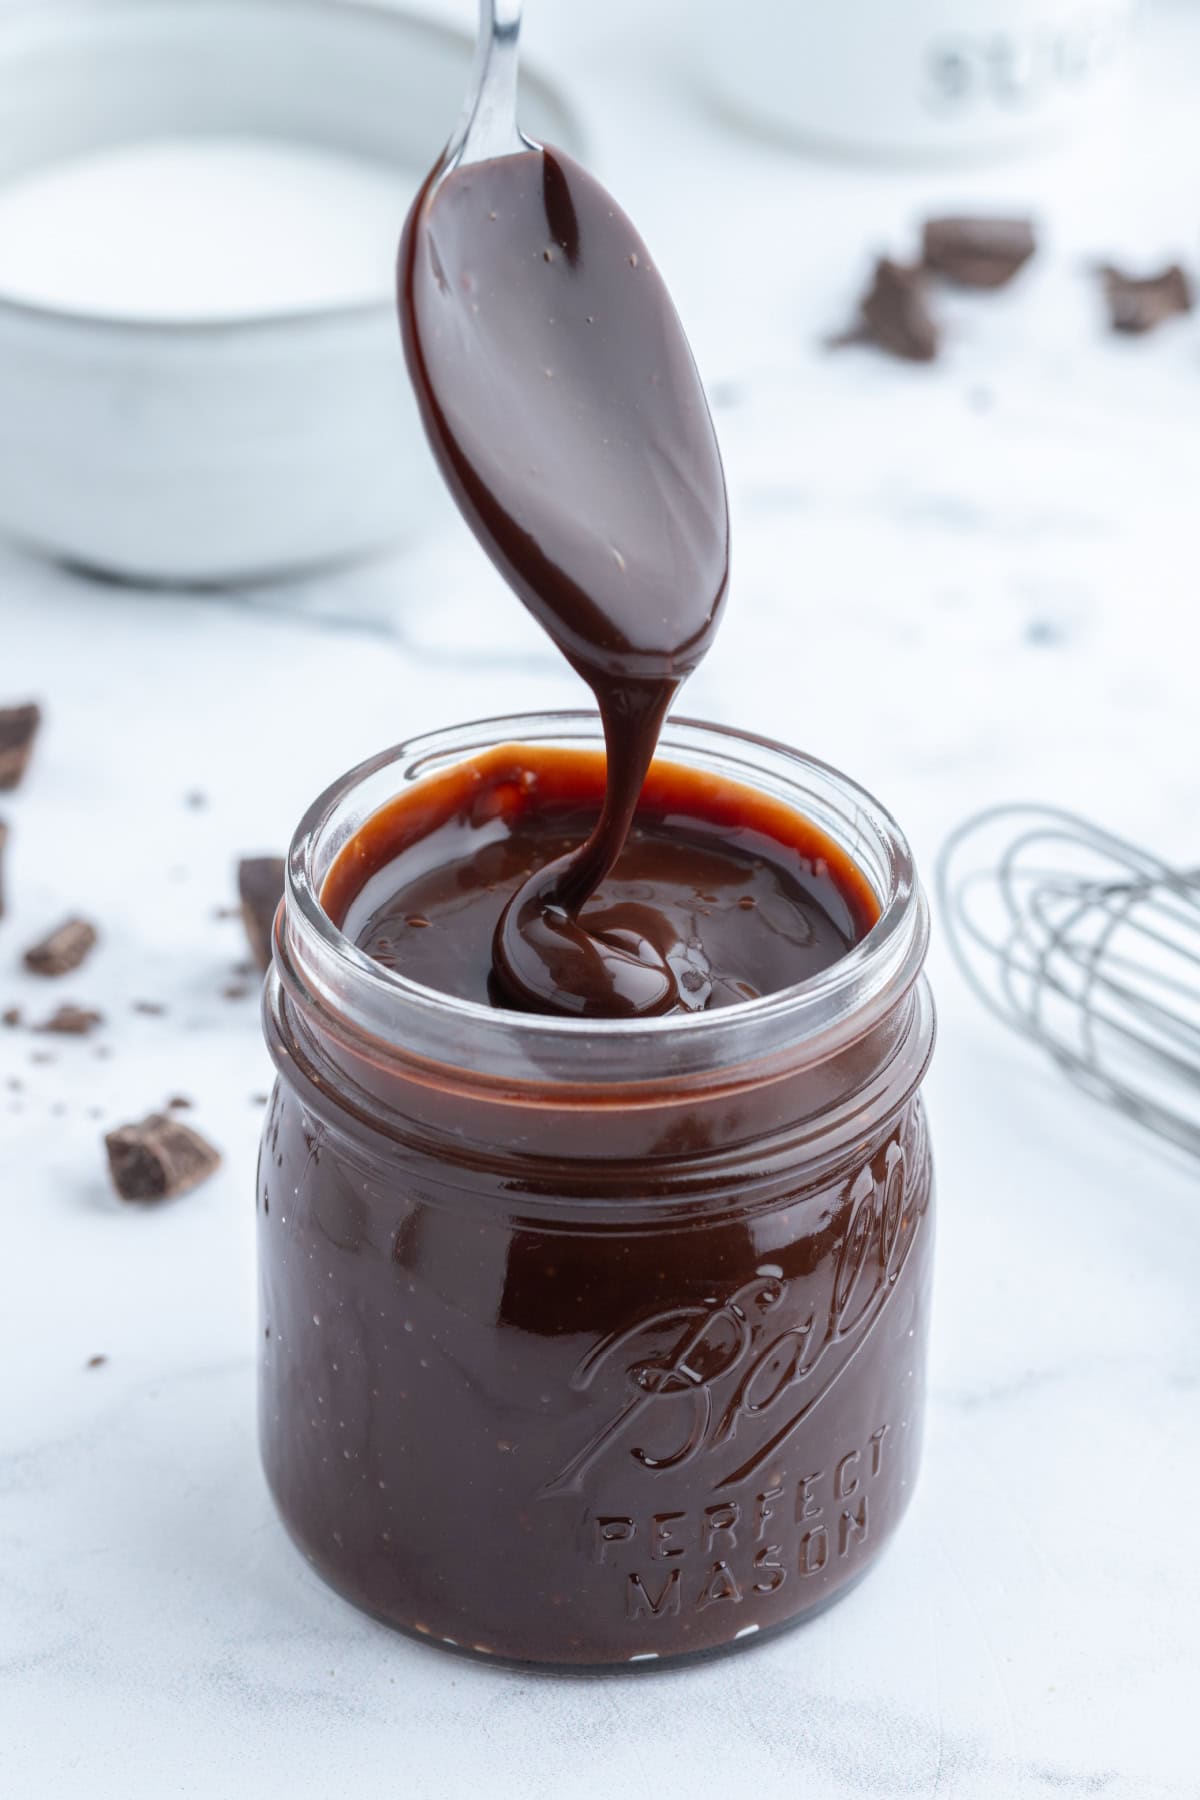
pixel 158 1158
pixel 11 1016
pixel 153 1009
pixel 63 950
pixel 894 314
pixel 978 253
pixel 95 1362
pixel 260 889
pixel 71 1021
pixel 179 1103
pixel 18 729
pixel 1137 304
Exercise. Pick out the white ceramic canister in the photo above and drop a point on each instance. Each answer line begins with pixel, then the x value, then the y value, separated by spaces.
pixel 949 78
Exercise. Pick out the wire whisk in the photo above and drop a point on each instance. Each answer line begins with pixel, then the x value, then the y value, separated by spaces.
pixel 1090 947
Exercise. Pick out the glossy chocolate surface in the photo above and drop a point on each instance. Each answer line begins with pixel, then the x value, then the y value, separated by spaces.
pixel 581 1377
pixel 739 895
pixel 554 1368
pixel 562 402
pixel 500 1413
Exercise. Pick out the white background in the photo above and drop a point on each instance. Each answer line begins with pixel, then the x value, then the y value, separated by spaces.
pixel 962 584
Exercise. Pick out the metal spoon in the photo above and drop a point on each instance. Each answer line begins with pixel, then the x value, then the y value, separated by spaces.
pixel 566 413
pixel 488 126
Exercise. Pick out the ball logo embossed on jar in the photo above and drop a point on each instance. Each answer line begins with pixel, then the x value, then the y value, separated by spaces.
pixel 732 1369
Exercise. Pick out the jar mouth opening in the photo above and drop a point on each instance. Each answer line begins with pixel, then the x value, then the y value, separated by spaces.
pixel 323 966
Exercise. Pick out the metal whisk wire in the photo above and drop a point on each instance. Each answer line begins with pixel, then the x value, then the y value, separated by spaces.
pixel 1090 947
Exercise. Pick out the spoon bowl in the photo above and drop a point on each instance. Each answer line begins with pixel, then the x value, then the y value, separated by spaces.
pixel 560 397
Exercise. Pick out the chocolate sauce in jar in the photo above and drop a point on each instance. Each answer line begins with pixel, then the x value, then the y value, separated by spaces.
pixel 592 1338
pixel 566 412
pixel 739 895
pixel 586 1344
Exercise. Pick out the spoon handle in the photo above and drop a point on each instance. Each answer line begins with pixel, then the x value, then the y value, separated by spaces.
pixel 488 126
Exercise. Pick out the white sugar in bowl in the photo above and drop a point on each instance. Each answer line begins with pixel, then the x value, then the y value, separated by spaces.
pixel 201 378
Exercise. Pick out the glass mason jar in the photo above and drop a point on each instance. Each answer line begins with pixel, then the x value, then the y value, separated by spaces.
pixel 586 1343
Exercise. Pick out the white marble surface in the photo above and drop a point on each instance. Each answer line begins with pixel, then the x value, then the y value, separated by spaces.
pixel 968 583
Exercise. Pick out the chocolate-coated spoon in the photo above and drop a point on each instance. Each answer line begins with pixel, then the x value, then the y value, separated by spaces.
pixel 562 402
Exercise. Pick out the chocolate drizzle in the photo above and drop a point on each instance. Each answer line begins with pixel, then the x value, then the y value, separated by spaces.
pixel 562 402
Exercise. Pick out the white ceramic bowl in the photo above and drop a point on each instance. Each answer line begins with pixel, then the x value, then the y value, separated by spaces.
pixel 221 450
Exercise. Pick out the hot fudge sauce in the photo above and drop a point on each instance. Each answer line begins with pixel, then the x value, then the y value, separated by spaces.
pixel 565 410
pixel 586 1341
pixel 738 895
pixel 594 1197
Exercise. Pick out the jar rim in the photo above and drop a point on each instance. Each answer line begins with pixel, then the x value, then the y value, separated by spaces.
pixel 402 1018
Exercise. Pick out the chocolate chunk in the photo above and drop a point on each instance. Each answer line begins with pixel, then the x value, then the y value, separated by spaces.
pixel 1137 304
pixel 158 1158
pixel 71 1021
pixel 18 729
pixel 894 313
pixel 63 950
pixel 260 889
pixel 11 1016
pixel 978 253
